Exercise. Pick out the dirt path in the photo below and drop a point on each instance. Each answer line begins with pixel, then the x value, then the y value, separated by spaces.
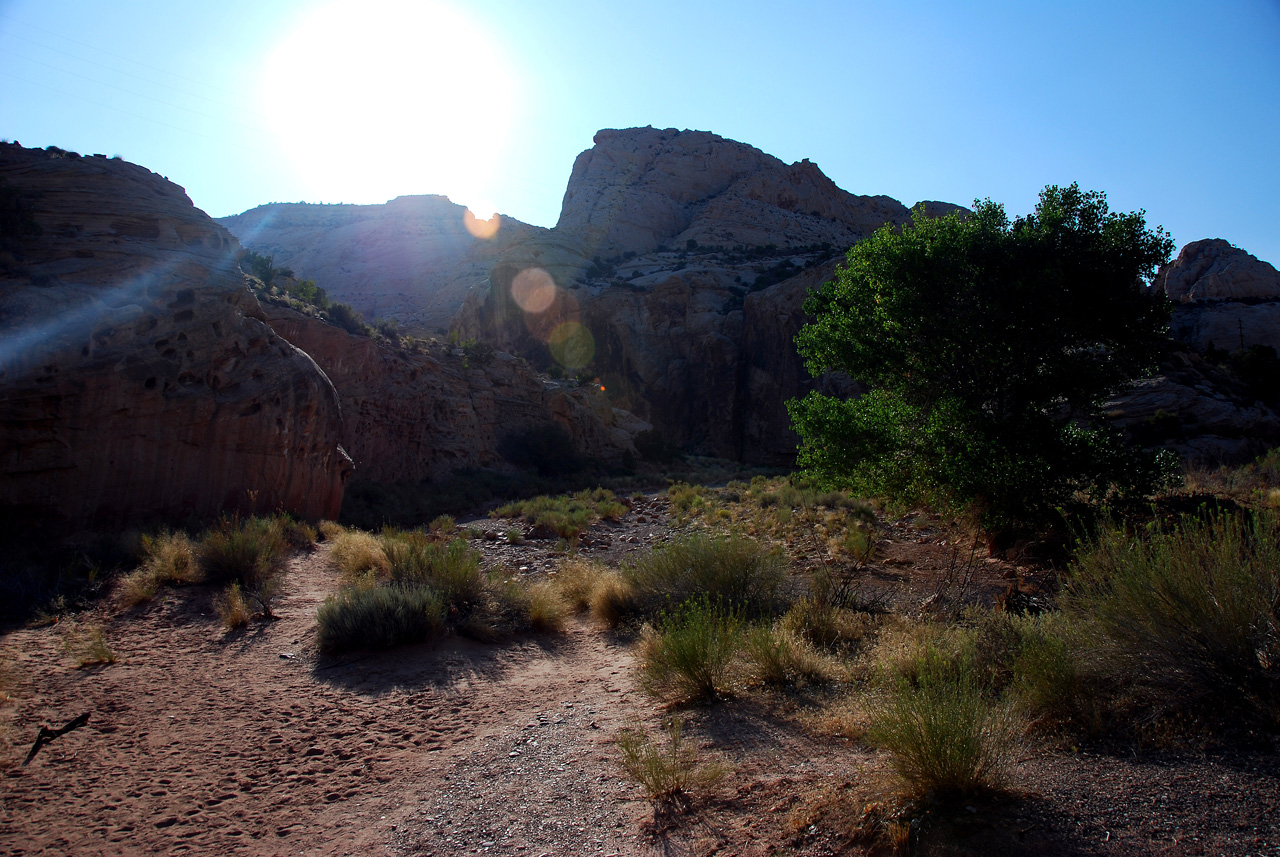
pixel 248 745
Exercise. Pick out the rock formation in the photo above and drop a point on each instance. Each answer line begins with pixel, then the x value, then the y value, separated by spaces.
pixel 1222 297
pixel 686 257
pixel 412 259
pixel 414 415
pixel 138 380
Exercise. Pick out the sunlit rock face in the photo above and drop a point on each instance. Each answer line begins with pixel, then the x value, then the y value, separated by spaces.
pixel 138 381
pixel 1223 296
pixel 417 415
pixel 685 257
pixel 413 259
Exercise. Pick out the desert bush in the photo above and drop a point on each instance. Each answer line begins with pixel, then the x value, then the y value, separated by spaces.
pixel 356 552
pixel 250 552
pixel 688 655
pixel 87 644
pixel 670 770
pixel 330 530
pixel 232 608
pixel 443 525
pixel 1186 615
pixel 168 558
pixel 740 572
pixel 451 569
pixel 379 617
pixel 946 736
pixel 777 656
pixel 298 535
pixel 1048 681
pixel 566 516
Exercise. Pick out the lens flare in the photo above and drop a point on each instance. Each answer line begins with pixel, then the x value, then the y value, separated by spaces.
pixel 572 345
pixel 483 229
pixel 533 289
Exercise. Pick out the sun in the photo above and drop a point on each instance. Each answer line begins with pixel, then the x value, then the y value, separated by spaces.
pixel 371 99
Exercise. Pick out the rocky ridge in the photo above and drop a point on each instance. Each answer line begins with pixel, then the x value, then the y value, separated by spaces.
pixel 412 259
pixel 1223 297
pixel 138 379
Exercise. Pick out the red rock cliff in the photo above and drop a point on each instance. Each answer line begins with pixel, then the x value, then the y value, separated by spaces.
pixel 137 379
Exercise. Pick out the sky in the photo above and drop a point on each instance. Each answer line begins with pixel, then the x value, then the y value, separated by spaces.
pixel 1168 106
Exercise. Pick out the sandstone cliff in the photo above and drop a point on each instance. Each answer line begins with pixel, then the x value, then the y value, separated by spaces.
pixel 412 259
pixel 137 378
pixel 414 415
pixel 686 257
pixel 1222 297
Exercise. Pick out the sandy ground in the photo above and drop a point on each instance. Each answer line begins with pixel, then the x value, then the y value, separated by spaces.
pixel 250 744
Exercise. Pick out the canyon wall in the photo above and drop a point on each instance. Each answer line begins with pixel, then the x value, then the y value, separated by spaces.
pixel 138 379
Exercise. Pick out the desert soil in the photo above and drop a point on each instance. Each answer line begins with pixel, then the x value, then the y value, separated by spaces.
pixel 250 743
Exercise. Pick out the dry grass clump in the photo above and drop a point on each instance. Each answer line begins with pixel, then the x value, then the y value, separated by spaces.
pixel 1256 483
pixel 168 558
pixel 777 656
pixel 669 770
pixel 356 552
pixel 576 582
pixel 379 617
pixel 614 599
pixel 87 644
pixel 1186 616
pixel 232 607
pixel 546 608
pixel 330 530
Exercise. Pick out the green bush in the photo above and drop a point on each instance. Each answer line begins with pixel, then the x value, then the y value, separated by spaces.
pixel 250 552
pixel 452 569
pixel 741 573
pixel 946 736
pixel 689 655
pixel 1187 615
pixel 566 516
pixel 379 617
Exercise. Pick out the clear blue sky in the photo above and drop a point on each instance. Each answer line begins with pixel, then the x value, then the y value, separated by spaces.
pixel 1169 106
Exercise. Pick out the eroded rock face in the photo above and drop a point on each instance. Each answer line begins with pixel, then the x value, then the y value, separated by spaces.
pixel 138 381
pixel 640 188
pixel 1222 297
pixel 412 259
pixel 412 416
pixel 687 256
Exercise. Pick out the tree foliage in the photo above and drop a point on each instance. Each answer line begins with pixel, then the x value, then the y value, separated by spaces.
pixel 989 347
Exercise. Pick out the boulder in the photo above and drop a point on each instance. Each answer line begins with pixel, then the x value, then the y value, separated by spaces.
pixel 138 381
pixel 1222 297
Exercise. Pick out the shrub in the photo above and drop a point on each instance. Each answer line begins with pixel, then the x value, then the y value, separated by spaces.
pixel 451 569
pixel 738 571
pixel 1187 615
pixel 945 736
pixel 667 771
pixel 249 552
pixel 688 656
pixel 576 582
pixel 88 645
pixel 232 608
pixel 613 599
pixel 168 558
pixel 777 656
pixel 379 617
pixel 566 516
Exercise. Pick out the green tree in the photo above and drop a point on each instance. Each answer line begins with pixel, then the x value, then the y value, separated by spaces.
pixel 988 348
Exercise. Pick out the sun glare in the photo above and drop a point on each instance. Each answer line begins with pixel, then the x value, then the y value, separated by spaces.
pixel 371 99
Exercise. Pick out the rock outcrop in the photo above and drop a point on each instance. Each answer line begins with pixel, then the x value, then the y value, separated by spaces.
pixel 1223 297
pixel 412 259
pixel 138 381
pixel 641 188
pixel 686 258
pixel 415 415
